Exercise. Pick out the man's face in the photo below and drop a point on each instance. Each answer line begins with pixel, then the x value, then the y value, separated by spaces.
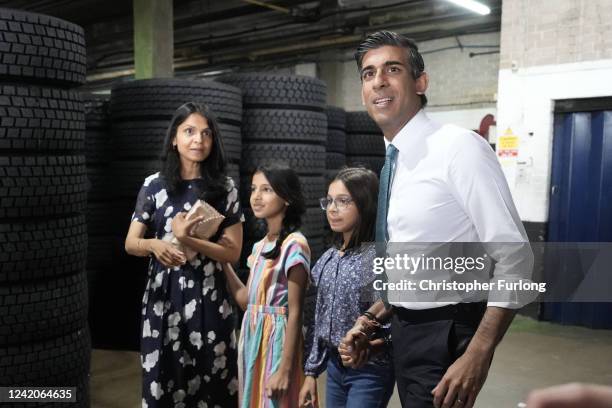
pixel 388 90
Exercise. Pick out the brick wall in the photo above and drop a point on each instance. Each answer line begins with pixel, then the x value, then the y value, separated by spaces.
pixel 547 32
pixel 458 82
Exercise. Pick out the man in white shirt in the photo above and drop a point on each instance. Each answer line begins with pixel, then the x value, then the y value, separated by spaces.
pixel 446 185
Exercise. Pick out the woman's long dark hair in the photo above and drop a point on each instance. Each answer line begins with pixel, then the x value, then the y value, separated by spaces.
pixel 286 184
pixel 212 168
pixel 362 185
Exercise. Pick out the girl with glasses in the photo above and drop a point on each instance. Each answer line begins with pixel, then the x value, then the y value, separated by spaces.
pixel 270 346
pixel 343 277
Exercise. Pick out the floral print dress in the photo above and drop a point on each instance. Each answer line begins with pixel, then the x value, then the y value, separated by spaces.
pixel 188 344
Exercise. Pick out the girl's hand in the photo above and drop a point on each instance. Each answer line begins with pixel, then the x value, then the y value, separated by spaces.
pixel 308 393
pixel 167 254
pixel 181 226
pixel 278 384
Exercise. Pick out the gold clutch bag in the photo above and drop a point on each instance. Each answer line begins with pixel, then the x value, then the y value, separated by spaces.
pixel 203 229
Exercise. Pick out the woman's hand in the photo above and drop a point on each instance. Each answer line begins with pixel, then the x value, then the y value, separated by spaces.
pixel 181 226
pixel 354 349
pixel 278 384
pixel 308 393
pixel 167 254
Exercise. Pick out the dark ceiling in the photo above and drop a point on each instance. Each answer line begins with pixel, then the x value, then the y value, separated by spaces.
pixel 210 35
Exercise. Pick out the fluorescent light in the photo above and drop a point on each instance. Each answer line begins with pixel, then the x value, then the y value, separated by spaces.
pixel 475 6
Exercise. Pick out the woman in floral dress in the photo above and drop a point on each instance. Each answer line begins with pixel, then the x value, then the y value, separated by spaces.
pixel 188 345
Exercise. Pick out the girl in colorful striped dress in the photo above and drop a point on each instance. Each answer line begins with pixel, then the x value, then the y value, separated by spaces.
pixel 270 369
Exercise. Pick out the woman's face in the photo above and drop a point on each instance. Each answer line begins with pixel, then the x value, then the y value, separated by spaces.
pixel 342 213
pixel 264 201
pixel 193 139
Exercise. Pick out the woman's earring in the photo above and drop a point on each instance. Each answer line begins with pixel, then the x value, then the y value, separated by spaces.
pixel 286 204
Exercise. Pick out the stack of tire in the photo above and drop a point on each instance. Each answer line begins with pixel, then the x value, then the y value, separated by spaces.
pixel 335 155
pixel 365 145
pixel 140 114
pixel 284 120
pixel 44 338
pixel 102 243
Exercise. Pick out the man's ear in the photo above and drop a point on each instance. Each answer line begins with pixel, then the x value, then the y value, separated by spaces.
pixel 421 83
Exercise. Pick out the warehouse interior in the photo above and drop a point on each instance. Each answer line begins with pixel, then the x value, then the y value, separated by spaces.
pixel 534 78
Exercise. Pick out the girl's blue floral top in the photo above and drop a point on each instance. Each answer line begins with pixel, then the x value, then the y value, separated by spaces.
pixel 344 291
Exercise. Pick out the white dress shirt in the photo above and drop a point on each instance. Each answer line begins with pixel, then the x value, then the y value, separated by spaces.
pixel 448 186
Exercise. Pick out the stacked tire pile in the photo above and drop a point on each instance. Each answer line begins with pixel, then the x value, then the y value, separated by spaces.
pixel 44 338
pixel 102 243
pixel 335 157
pixel 365 145
pixel 140 113
pixel 284 120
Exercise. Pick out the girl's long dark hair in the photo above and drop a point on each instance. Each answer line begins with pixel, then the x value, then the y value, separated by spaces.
pixel 286 184
pixel 212 168
pixel 362 185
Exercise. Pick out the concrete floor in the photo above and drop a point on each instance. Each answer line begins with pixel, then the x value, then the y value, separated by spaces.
pixel 532 355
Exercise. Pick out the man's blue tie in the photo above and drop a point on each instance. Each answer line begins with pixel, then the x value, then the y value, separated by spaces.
pixel 383 194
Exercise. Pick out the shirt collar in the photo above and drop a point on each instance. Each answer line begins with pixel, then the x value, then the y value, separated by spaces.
pixel 417 127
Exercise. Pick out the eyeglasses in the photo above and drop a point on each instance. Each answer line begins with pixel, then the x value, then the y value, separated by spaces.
pixel 341 203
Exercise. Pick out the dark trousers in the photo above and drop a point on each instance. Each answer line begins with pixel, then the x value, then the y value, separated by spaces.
pixel 426 343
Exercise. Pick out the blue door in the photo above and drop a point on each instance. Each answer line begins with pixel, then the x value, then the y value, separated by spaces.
pixel 581 197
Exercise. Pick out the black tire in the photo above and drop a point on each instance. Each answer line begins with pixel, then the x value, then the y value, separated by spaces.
pixel 312 223
pixel 96 111
pixel 35 47
pixel 129 176
pixel 97 146
pixel 159 99
pixel 42 309
pixel 141 140
pixel 42 186
pixel 62 361
pixel 42 249
pixel 100 183
pixel 106 250
pixel 279 91
pixel 40 118
pixel 336 118
pixel 365 145
pixel 360 122
pixel 99 221
pixel 232 142
pixel 336 141
pixel 284 125
pixel 334 161
pixel 374 163
pixel 304 159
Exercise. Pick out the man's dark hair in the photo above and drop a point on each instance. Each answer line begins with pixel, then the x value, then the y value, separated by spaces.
pixel 382 38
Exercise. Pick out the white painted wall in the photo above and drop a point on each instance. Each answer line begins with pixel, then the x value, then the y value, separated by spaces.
pixel 525 103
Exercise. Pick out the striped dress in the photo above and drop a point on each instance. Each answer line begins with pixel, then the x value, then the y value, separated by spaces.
pixel 263 328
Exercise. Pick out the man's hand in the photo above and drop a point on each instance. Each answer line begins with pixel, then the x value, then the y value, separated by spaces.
pixel 308 393
pixel 462 382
